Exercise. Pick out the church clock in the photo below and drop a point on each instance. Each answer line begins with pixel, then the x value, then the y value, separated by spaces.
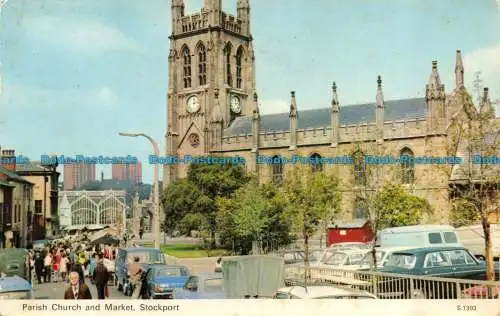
pixel 235 105
pixel 193 105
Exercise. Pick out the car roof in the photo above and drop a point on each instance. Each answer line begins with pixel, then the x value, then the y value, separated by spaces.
pixel 418 228
pixel 14 283
pixel 393 249
pixel 416 251
pixel 349 251
pixel 162 265
pixel 320 291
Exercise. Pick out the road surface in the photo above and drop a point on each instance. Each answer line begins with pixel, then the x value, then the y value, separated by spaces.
pixel 55 290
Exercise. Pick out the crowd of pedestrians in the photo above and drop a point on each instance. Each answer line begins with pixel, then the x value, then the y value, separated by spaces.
pixel 72 264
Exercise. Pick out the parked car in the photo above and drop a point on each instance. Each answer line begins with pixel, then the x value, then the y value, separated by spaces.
pixel 15 288
pixel 444 262
pixel 320 292
pixel 203 286
pixel 298 256
pixel 126 256
pixel 472 238
pixel 162 280
pixel 382 255
pixel 418 236
pixel 481 291
pixel 15 261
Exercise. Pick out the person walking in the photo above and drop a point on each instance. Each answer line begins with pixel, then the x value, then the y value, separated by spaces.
pixel 92 265
pixel 39 264
pixel 77 290
pixel 47 266
pixel 63 267
pixel 136 277
pixel 101 278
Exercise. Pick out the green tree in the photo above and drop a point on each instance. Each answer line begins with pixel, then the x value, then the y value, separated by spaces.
pixel 397 207
pixel 250 211
pixel 474 184
pixel 236 218
pixel 193 221
pixel 180 199
pixel 309 196
pixel 215 181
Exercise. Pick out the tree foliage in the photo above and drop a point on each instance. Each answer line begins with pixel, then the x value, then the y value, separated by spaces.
pixel 255 213
pixel 397 207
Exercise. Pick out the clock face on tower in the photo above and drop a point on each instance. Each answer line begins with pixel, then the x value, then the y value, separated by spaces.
pixel 235 105
pixel 192 104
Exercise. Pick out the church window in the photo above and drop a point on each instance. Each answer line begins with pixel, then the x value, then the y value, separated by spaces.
pixel 407 166
pixel 316 164
pixel 186 54
pixel 239 57
pixel 359 168
pixel 227 57
pixel 360 209
pixel 277 170
pixel 202 65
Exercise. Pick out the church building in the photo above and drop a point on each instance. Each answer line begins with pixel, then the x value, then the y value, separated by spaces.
pixel 213 109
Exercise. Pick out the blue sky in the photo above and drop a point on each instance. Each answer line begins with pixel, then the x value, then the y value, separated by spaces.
pixel 75 73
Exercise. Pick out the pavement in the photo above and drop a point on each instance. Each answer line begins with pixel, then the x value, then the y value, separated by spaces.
pixel 55 290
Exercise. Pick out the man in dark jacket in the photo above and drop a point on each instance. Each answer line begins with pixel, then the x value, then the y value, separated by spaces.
pixel 101 278
pixel 39 265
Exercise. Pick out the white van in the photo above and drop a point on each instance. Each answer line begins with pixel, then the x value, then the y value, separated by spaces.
pixel 472 238
pixel 418 236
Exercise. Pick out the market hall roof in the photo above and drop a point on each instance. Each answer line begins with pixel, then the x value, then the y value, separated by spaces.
pixel 394 110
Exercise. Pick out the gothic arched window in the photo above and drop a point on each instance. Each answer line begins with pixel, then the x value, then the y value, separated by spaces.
pixel 360 209
pixel 407 165
pixel 239 57
pixel 202 65
pixel 277 170
pixel 227 57
pixel 359 168
pixel 316 164
pixel 186 54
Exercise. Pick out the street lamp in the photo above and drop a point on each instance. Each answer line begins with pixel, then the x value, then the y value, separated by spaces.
pixel 156 176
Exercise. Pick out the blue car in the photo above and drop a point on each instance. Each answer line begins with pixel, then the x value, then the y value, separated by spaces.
pixel 162 280
pixel 203 286
pixel 15 288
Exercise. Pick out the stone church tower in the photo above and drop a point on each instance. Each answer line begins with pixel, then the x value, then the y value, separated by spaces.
pixel 211 79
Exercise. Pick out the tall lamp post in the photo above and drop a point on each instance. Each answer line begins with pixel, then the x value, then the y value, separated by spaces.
pixel 156 188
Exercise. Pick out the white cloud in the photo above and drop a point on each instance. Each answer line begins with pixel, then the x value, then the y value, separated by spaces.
pixel 487 61
pixel 29 97
pixel 274 106
pixel 83 36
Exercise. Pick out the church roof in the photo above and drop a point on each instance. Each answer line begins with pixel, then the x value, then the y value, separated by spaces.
pixel 317 118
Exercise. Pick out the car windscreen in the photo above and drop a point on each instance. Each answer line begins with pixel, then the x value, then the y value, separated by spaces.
pixel 401 260
pixel 145 257
pixel 335 258
pixel 171 272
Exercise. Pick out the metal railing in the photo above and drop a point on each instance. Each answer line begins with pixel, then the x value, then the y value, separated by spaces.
pixel 394 286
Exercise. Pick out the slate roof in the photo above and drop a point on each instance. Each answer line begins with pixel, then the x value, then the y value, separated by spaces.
pixel 317 118
pixel 33 166
pixel 13 176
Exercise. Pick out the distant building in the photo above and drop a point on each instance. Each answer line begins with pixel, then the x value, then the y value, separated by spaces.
pixel 16 204
pixel 45 196
pixel 77 174
pixel 131 172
